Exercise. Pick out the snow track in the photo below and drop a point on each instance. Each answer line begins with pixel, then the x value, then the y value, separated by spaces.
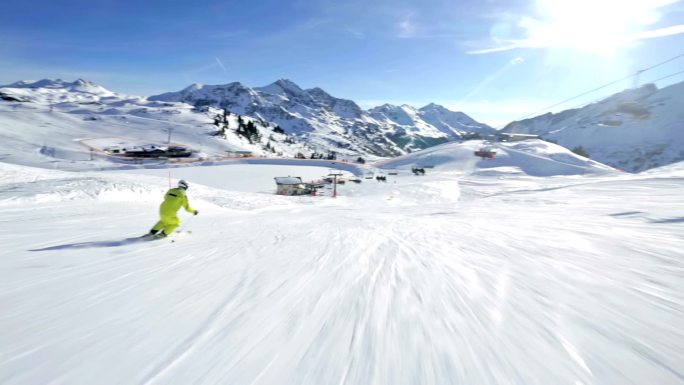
pixel 479 281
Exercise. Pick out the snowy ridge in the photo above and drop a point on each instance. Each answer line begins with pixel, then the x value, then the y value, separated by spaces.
pixel 324 121
pixel 433 120
pixel 533 158
pixel 58 91
pixel 633 130
pixel 671 170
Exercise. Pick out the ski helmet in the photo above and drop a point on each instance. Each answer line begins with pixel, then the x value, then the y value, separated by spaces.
pixel 183 184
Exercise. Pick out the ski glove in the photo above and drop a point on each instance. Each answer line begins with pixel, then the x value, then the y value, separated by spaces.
pixel 196 212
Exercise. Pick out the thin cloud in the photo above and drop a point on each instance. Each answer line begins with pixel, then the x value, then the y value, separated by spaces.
pixel 667 31
pixel 487 81
pixel 517 60
pixel 317 22
pixel 221 65
pixel 407 28
pixel 201 69
pixel 623 39
pixel 227 35
pixel 355 33
pixel 497 49
pixel 211 66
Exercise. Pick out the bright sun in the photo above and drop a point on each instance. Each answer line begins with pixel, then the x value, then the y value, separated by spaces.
pixel 590 25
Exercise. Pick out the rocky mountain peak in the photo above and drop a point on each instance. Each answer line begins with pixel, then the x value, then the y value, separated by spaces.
pixel 281 87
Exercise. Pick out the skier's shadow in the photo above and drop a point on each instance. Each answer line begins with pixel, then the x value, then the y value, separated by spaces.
pixel 87 245
pixel 669 220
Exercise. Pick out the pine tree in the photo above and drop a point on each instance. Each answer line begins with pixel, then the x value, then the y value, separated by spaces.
pixel 221 123
pixel 579 150
pixel 226 114
pixel 250 131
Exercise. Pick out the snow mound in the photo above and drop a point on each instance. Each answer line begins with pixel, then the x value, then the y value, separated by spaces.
pixel 675 170
pixel 533 158
pixel 22 185
pixel 27 185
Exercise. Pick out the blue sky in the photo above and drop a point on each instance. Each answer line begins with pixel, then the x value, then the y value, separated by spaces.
pixel 496 60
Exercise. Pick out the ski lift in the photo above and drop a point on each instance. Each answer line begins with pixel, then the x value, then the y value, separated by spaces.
pixel 485 153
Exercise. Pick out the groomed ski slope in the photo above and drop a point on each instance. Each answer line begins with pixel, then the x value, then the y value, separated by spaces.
pixel 489 277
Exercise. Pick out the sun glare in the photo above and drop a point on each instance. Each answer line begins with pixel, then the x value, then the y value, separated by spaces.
pixel 601 26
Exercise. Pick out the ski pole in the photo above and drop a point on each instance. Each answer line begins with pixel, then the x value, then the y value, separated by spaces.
pixel 185 224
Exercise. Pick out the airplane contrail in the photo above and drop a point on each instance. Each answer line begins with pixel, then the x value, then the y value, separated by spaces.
pixel 221 64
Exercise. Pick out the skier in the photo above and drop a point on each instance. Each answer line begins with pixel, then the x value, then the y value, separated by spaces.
pixel 174 199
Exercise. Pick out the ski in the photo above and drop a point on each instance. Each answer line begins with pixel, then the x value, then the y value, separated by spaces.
pixel 172 237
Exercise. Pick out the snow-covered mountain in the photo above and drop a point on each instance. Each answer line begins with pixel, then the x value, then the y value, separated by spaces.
pixel 432 116
pixel 53 118
pixel 633 130
pixel 427 126
pixel 325 121
pixel 57 91
pixel 53 122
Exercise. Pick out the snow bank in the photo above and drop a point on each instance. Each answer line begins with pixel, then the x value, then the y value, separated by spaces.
pixel 533 157
pixel 22 185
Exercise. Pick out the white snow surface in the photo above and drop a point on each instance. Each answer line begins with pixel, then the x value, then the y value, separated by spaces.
pixel 477 273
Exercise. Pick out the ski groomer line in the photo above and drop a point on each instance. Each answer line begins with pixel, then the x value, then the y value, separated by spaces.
pixel 174 199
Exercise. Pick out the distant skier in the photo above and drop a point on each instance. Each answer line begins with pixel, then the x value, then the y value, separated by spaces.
pixel 174 199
